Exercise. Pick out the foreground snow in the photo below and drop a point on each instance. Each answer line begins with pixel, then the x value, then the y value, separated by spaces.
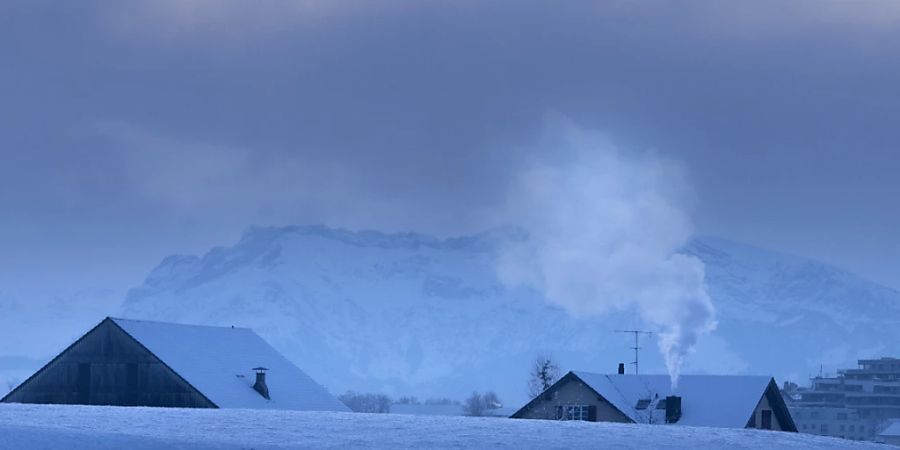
pixel 95 427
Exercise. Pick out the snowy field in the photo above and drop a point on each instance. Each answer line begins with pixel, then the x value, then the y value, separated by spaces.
pixel 93 427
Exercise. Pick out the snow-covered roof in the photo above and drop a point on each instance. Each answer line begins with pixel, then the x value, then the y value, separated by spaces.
pixel 725 401
pixel 219 362
pixel 893 429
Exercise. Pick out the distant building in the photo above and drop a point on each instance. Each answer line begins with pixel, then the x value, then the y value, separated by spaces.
pixel 700 400
pixel 139 363
pixel 855 404
pixel 832 421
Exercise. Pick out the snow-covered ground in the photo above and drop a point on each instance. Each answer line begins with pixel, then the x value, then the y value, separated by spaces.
pixel 94 427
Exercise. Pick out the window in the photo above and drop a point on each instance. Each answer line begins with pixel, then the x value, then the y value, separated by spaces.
pixel 574 412
pixel 766 419
pixel 643 404
pixel 579 412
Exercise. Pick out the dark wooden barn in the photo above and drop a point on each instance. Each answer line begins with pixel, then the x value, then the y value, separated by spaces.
pixel 140 363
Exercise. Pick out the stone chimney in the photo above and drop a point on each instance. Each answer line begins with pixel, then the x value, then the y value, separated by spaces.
pixel 260 385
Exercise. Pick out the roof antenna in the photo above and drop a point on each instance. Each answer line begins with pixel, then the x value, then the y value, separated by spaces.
pixel 636 348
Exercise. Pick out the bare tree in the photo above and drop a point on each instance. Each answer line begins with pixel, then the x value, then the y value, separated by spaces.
pixel 11 383
pixel 544 372
pixel 474 405
pixel 491 401
pixel 479 404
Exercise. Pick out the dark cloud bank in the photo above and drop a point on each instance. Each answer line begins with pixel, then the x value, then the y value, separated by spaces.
pixel 128 133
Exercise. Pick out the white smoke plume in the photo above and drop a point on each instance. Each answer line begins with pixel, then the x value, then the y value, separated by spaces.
pixel 605 228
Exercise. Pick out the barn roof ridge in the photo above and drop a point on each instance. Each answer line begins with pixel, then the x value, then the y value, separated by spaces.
pixel 161 322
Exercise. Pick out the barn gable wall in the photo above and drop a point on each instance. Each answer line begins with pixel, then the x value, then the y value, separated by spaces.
pixel 108 367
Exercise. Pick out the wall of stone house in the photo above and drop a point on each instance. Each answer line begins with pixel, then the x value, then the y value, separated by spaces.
pixel 572 392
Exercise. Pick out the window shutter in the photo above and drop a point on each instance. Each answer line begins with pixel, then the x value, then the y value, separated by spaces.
pixel 592 413
pixel 559 413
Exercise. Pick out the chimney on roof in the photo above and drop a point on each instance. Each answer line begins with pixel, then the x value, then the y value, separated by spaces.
pixel 260 385
pixel 621 368
pixel 673 408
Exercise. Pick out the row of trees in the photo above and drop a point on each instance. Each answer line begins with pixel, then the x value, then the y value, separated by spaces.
pixel 412 400
pixel 380 403
pixel 543 373
pixel 366 403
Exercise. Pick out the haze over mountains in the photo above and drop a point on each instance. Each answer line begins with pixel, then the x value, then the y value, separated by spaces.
pixel 409 314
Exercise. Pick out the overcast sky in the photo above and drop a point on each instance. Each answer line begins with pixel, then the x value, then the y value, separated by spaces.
pixel 130 131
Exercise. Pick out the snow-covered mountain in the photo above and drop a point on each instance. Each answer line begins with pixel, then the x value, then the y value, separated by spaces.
pixel 412 314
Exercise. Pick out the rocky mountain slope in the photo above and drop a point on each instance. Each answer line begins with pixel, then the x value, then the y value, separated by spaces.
pixel 412 314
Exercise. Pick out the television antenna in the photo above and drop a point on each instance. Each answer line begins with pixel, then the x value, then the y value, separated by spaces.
pixel 637 335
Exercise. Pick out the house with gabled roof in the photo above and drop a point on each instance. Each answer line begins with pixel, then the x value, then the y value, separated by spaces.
pixel 143 363
pixel 724 401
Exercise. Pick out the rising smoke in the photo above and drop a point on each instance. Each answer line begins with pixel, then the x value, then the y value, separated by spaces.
pixel 604 230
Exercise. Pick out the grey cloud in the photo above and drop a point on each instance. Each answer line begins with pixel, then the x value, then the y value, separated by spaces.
pixel 782 113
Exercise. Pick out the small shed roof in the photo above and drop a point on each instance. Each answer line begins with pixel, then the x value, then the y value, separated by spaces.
pixel 725 401
pixel 892 430
pixel 219 362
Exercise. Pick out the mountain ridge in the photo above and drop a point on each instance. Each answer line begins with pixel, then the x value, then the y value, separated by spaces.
pixel 408 313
